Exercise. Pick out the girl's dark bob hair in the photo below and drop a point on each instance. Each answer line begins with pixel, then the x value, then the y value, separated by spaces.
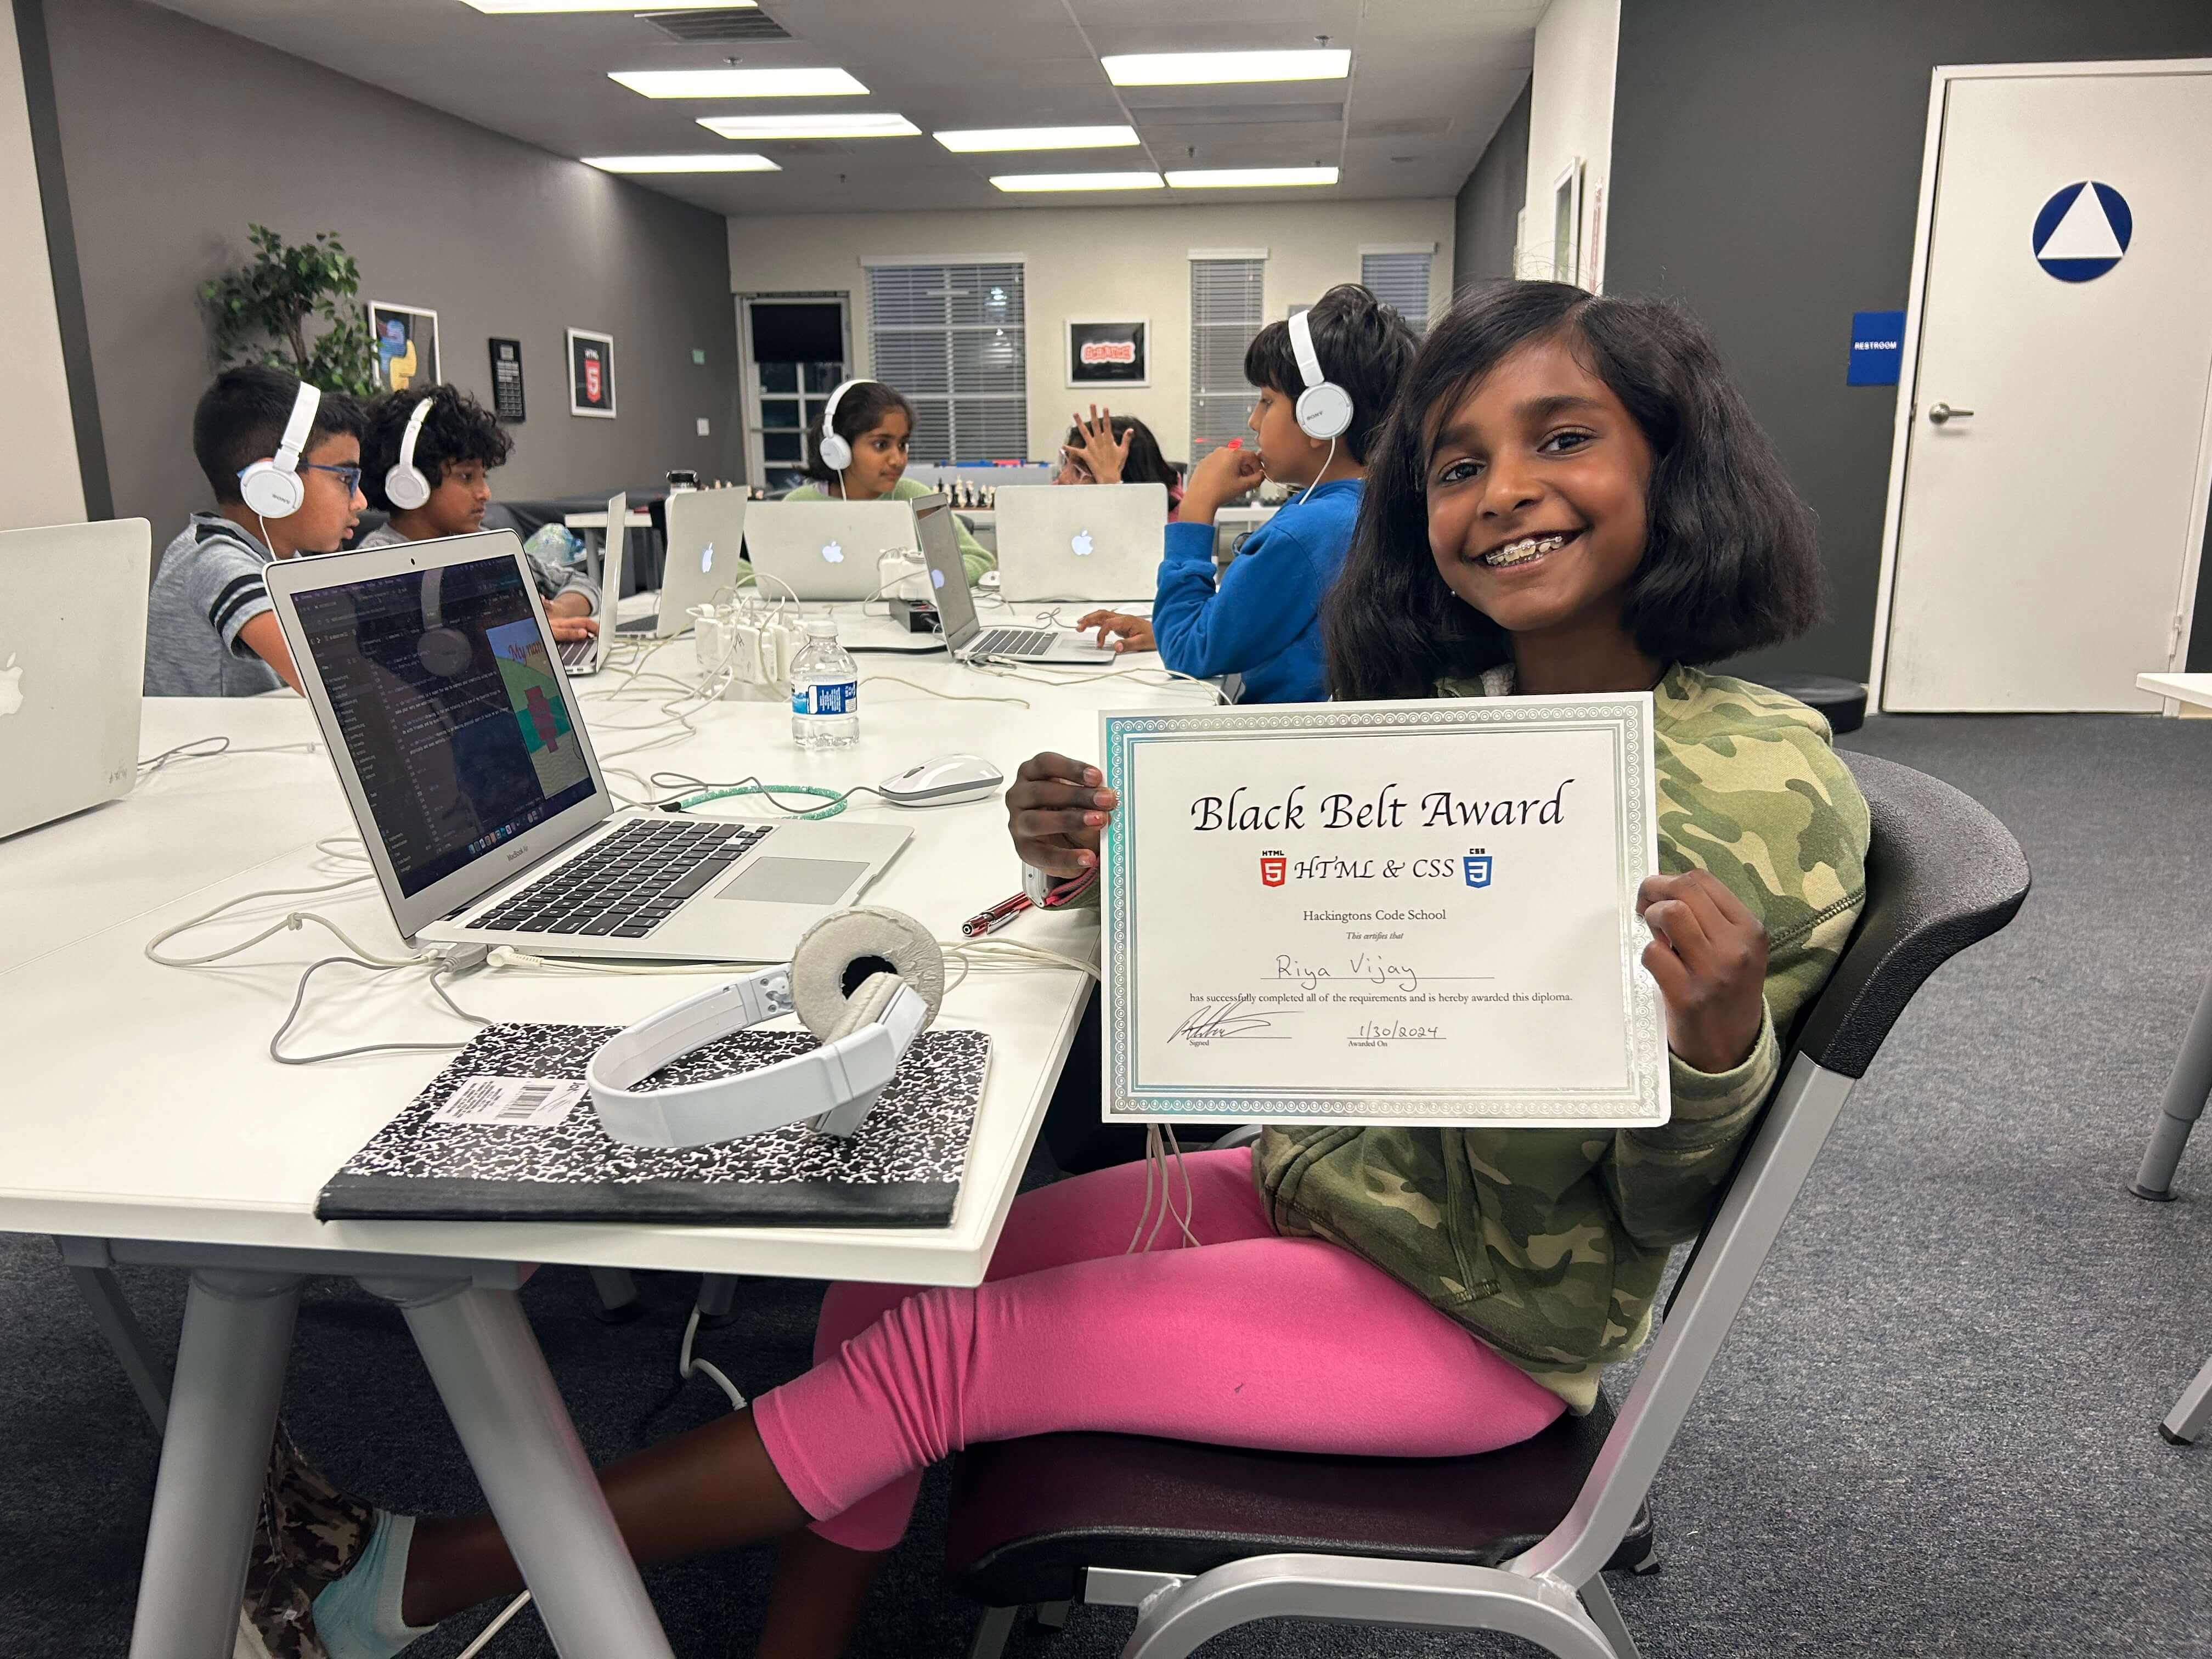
pixel 1731 561
pixel 859 411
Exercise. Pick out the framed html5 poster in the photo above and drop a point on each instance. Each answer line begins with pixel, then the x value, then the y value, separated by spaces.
pixel 1108 352
pixel 590 373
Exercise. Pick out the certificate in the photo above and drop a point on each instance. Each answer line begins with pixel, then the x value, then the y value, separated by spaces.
pixel 1410 912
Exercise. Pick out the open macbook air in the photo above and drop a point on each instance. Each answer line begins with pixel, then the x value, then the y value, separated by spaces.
pixel 583 658
pixel 966 638
pixel 463 754
pixel 1098 544
pixel 823 549
pixel 72 666
pixel 706 545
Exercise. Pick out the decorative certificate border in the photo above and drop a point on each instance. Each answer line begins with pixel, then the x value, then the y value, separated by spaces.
pixel 1626 718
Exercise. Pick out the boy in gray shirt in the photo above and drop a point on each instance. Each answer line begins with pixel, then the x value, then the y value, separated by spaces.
pixel 210 628
pixel 456 446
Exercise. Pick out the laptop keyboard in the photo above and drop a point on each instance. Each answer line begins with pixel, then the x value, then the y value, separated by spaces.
pixel 628 885
pixel 1013 642
pixel 577 653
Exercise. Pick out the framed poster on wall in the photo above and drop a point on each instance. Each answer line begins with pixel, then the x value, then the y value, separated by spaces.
pixel 506 379
pixel 406 345
pixel 590 373
pixel 1108 352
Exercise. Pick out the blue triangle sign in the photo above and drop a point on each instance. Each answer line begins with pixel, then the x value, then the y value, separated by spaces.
pixel 2082 231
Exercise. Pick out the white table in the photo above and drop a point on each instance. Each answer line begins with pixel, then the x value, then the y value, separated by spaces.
pixel 166 1136
pixel 2186 1088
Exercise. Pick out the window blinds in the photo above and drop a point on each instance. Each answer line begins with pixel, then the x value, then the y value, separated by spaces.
pixel 1400 280
pixel 950 337
pixel 1225 297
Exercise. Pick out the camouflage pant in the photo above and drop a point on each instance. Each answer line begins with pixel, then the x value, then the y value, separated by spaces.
pixel 308 1534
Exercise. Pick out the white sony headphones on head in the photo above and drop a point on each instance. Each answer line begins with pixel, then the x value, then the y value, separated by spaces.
pixel 273 488
pixel 865 980
pixel 836 454
pixel 1324 408
pixel 405 485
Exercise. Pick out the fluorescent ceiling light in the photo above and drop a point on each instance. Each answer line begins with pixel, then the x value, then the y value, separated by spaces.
pixel 982 138
pixel 1199 69
pixel 760 127
pixel 1018 181
pixel 1249 178
pixel 504 7
pixel 739 83
pixel 723 162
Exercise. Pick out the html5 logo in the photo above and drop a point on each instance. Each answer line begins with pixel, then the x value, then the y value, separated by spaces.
pixel 1110 351
pixel 1273 869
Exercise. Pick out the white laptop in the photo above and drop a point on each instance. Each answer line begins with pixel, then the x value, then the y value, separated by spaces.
pixel 462 751
pixel 584 658
pixel 72 666
pixel 1089 543
pixel 706 550
pixel 823 549
pixel 966 638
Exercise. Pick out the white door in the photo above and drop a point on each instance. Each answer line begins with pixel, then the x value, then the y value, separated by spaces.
pixel 2054 465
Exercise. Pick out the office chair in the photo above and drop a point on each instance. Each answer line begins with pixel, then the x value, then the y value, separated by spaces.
pixel 1202 1539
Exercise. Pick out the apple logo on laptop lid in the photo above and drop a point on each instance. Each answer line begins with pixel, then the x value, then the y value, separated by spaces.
pixel 11 687
pixel 833 552
pixel 707 560
pixel 1080 545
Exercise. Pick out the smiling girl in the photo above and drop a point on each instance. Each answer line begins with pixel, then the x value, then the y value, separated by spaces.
pixel 1570 496
pixel 876 422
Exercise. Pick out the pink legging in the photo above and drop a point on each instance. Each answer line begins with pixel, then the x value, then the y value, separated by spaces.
pixel 1290 1344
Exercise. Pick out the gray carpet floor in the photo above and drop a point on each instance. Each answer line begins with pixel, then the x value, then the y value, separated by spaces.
pixel 1931 1432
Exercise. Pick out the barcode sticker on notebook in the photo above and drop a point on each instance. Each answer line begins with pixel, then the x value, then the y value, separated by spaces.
pixel 510 1102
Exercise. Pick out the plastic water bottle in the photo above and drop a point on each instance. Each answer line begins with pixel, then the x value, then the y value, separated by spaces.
pixel 825 690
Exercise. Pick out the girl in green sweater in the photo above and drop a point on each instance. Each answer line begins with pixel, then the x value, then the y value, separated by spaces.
pixel 1570 496
pixel 876 422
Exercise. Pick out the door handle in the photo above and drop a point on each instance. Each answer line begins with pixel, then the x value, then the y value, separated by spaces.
pixel 1938 413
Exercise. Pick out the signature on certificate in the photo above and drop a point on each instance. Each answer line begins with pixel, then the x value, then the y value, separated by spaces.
pixel 1221 1019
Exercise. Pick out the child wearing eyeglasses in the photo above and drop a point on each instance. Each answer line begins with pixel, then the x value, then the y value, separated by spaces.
pixel 210 628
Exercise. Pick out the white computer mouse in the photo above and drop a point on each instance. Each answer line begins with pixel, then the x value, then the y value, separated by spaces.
pixel 943 781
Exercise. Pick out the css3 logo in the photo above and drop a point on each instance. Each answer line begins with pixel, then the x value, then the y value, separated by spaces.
pixel 1477 867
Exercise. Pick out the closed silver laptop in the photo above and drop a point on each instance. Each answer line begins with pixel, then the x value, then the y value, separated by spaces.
pixel 705 550
pixel 815 551
pixel 463 753
pixel 1094 544
pixel 72 666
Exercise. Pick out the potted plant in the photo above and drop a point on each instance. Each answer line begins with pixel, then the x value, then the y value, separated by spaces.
pixel 263 313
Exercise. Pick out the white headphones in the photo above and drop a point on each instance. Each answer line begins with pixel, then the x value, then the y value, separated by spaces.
pixel 836 454
pixel 1324 408
pixel 867 981
pixel 273 488
pixel 404 486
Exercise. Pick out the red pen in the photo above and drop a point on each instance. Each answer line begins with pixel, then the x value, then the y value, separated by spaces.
pixel 996 917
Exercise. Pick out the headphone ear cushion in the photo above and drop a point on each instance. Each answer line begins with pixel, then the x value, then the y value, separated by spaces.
pixel 835 452
pixel 854 946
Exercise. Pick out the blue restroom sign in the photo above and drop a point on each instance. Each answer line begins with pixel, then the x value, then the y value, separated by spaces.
pixel 1877 345
pixel 2082 231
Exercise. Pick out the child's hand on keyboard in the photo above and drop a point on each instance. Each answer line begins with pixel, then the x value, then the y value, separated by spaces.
pixel 1130 633
pixel 567 629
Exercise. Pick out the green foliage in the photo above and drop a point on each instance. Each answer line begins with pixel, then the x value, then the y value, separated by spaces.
pixel 262 314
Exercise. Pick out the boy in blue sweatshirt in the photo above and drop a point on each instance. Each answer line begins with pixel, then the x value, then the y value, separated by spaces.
pixel 1263 620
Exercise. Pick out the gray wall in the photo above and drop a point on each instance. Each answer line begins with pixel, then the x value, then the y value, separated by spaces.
pixel 174 135
pixel 1488 206
pixel 1767 172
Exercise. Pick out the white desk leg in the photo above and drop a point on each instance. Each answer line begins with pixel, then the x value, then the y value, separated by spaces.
pixel 516 1431
pixel 111 1311
pixel 2185 1090
pixel 2192 1412
pixel 223 1421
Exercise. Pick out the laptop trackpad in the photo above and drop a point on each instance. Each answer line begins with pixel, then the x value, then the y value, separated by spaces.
pixel 794 881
